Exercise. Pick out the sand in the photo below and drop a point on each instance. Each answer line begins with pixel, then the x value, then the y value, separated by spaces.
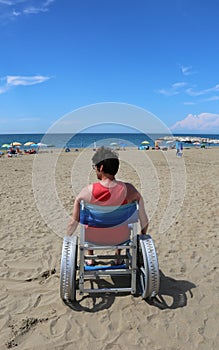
pixel 33 315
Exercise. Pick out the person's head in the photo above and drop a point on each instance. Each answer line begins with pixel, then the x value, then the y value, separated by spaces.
pixel 106 161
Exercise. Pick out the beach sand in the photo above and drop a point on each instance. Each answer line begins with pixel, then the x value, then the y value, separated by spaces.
pixel 32 314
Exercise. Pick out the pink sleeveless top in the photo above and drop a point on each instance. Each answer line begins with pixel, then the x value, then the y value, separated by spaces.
pixel 113 195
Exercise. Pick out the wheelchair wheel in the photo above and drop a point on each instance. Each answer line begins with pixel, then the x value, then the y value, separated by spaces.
pixel 68 269
pixel 148 267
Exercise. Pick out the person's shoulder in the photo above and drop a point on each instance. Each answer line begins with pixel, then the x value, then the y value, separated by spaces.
pixel 85 193
pixel 132 192
pixel 130 186
pixel 126 185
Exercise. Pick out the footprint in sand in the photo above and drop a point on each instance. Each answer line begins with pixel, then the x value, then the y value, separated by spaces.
pixel 37 301
pixel 43 276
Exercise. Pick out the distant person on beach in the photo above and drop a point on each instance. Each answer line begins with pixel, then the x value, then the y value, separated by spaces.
pixel 18 151
pixel 11 152
pixel 179 149
pixel 107 192
pixel 32 151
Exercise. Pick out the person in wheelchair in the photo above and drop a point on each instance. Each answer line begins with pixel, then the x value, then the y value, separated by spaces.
pixel 107 192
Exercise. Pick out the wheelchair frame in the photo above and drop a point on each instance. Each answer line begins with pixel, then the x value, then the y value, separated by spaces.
pixel 141 263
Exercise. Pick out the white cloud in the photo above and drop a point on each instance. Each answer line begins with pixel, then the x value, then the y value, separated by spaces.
pixel 17 80
pixel 189 103
pixel 48 2
pixel 203 123
pixel 23 80
pixel 212 98
pixel 41 6
pixel 34 10
pixel 15 8
pixel 192 92
pixel 175 89
pixel 167 92
pixel 186 70
pixel 180 88
pixel 6 2
pixel 179 84
pixel 213 89
pixel 30 119
pixel 12 3
pixel 15 13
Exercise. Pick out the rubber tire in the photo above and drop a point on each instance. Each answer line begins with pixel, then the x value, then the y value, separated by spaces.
pixel 68 269
pixel 148 268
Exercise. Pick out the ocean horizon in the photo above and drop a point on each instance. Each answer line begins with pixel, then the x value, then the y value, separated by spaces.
pixel 90 140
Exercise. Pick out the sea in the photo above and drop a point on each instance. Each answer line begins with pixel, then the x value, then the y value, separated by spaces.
pixel 93 140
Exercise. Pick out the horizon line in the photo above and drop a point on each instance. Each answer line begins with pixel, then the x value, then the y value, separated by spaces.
pixel 115 133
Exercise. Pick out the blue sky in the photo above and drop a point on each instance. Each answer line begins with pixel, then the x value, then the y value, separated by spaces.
pixel 60 55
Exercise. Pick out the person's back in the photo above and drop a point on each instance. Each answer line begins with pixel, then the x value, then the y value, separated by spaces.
pixel 109 192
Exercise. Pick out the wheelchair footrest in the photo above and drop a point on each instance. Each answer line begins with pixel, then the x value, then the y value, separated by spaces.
pixel 104 267
pixel 108 290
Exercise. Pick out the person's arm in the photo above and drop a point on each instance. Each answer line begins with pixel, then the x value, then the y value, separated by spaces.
pixel 134 195
pixel 85 194
pixel 143 217
pixel 73 223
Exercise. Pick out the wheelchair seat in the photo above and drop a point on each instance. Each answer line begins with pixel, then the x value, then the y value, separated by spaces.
pixel 97 223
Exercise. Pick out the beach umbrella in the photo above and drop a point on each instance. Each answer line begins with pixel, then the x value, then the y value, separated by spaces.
pixel 29 143
pixel 34 145
pixel 145 142
pixel 170 141
pixel 196 143
pixel 114 144
pixel 5 145
pixel 40 144
pixel 15 144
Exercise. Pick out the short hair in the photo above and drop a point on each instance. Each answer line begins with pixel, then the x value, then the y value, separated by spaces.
pixel 108 158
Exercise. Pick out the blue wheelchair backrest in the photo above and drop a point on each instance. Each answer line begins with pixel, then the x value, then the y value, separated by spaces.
pixel 108 216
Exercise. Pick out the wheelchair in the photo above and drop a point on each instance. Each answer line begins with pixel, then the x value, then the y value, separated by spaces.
pixel 139 263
